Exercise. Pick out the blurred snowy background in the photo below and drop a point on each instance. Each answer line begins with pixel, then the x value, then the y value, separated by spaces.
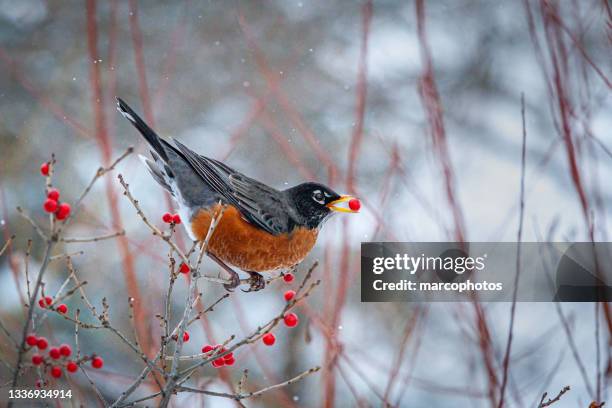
pixel 274 89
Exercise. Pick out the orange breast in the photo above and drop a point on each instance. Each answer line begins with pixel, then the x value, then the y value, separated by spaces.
pixel 237 242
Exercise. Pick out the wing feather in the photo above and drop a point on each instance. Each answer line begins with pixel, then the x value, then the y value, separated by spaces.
pixel 258 203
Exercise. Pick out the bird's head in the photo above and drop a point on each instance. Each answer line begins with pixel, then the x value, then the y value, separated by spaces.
pixel 315 202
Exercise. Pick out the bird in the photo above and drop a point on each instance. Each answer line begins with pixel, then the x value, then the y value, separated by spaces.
pixel 262 229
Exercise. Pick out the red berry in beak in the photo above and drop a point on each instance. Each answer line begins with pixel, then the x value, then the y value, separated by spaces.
pixel 54 353
pixel 176 219
pixel 269 339
pixel 289 295
pixel 97 362
pixel 44 169
pixel 62 308
pixel 291 320
pixel 37 359
pixel 72 367
pixel 288 277
pixel 31 340
pixel 50 205
pixel 56 372
pixel 354 204
pixel 63 211
pixel 42 343
pixel 184 268
pixel 53 194
pixel 167 218
pixel 65 350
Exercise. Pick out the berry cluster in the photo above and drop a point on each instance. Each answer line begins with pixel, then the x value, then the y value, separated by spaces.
pixel 52 205
pixel 47 302
pixel 57 358
pixel 226 360
pixel 171 218
pixel 185 337
pixel 290 319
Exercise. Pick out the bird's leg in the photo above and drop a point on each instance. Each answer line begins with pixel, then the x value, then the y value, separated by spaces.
pixel 256 282
pixel 234 277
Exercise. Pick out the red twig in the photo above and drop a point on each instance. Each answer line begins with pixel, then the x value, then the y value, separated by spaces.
pixel 105 144
pixel 506 362
pixel 362 86
pixel 433 108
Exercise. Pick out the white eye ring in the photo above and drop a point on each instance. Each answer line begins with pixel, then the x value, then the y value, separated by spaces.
pixel 318 197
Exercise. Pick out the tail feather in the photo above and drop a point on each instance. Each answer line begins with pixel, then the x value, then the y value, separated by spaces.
pixel 144 129
pixel 156 172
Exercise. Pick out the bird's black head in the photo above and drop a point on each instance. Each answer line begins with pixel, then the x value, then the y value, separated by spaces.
pixel 315 202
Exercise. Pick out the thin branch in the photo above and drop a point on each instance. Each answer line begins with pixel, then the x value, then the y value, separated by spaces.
pixel 506 362
pixel 93 239
pixel 544 404
pixel 34 224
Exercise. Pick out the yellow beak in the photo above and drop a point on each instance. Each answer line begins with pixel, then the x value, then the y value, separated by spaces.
pixel 343 199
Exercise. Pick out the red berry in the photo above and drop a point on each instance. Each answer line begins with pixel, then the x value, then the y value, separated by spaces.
pixel 184 268
pixel 220 362
pixel 269 339
pixel 48 300
pixel 289 295
pixel 288 277
pixel 54 353
pixel 207 348
pixel 176 219
pixel 50 205
pixel 72 367
pixel 354 204
pixel 230 361
pixel 44 169
pixel 167 218
pixel 41 303
pixel 63 211
pixel 65 350
pixel 97 362
pixel 42 343
pixel 229 356
pixel 53 194
pixel 62 308
pixel 31 340
pixel 37 359
pixel 185 337
pixel 56 372
pixel 291 320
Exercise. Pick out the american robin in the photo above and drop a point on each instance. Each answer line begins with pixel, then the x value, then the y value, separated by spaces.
pixel 262 228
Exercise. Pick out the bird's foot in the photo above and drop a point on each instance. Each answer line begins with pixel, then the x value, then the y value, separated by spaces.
pixel 256 282
pixel 234 281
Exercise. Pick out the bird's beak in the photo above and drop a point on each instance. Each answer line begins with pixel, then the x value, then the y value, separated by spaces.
pixel 352 207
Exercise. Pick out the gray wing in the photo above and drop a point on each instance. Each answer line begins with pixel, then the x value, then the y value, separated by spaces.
pixel 258 203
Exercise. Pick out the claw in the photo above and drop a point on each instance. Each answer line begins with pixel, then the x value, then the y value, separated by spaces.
pixel 234 282
pixel 234 277
pixel 256 282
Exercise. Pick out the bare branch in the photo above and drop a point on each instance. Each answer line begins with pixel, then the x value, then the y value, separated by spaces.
pixel 548 403
pixel 93 239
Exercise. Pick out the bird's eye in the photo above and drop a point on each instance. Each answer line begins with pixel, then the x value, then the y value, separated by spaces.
pixel 318 197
